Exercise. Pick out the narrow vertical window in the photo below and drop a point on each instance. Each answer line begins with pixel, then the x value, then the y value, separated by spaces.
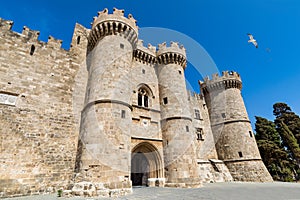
pixel 197 114
pixel 224 115
pixel 123 114
pixel 187 128
pixel 146 101
pixel 32 49
pixel 78 40
pixel 122 46
pixel 250 133
pixel 199 132
pixel 165 100
pixel 140 100
pixel 179 71
pixel 143 71
pixel 240 154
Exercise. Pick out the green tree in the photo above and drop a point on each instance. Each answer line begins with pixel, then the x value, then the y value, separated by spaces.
pixel 289 139
pixel 284 113
pixel 274 156
pixel 280 108
pixel 288 126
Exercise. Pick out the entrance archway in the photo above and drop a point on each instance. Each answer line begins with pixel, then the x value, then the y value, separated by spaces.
pixel 146 164
pixel 139 169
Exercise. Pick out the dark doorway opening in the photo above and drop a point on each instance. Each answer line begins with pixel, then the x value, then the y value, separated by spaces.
pixel 139 169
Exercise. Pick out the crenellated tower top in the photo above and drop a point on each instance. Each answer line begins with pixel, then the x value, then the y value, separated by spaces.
pixel 113 24
pixel 172 54
pixel 117 16
pixel 146 55
pixel 229 79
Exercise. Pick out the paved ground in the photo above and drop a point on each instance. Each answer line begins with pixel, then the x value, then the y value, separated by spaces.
pixel 213 191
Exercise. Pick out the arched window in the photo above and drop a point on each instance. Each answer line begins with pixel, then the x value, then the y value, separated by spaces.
pixel 143 99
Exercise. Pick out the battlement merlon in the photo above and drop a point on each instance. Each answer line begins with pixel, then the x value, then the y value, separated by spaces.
pixel 173 48
pixel 56 43
pixel 30 34
pixel 229 79
pixel 6 24
pixel 113 24
pixel 173 54
pixel 145 54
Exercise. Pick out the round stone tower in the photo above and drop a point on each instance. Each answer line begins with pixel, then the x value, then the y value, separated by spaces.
pixel 103 157
pixel 233 135
pixel 179 148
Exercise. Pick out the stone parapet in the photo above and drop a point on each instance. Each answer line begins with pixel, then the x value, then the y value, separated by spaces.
pixel 29 35
pixel 174 54
pixel 113 24
pixel 229 79
pixel 117 15
pixel 146 55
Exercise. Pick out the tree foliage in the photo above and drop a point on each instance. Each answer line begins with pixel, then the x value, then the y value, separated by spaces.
pixel 272 152
pixel 284 113
pixel 289 140
pixel 279 142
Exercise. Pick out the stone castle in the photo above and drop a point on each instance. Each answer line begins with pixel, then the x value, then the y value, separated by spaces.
pixel 110 113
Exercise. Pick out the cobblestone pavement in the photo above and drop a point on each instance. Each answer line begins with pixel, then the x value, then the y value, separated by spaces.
pixel 213 191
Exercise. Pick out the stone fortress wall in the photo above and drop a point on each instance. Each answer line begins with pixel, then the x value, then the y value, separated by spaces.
pixel 39 130
pixel 110 113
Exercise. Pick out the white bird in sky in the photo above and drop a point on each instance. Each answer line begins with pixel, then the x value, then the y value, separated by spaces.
pixel 252 40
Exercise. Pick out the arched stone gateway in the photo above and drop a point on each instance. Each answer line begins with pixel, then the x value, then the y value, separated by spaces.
pixel 146 166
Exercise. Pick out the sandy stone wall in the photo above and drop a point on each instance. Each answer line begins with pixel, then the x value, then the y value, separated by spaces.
pixel 205 146
pixel 181 168
pixel 145 120
pixel 172 86
pixel 39 132
pixel 249 170
pixel 212 170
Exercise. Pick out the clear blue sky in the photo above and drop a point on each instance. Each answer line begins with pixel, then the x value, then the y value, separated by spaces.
pixel 270 73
